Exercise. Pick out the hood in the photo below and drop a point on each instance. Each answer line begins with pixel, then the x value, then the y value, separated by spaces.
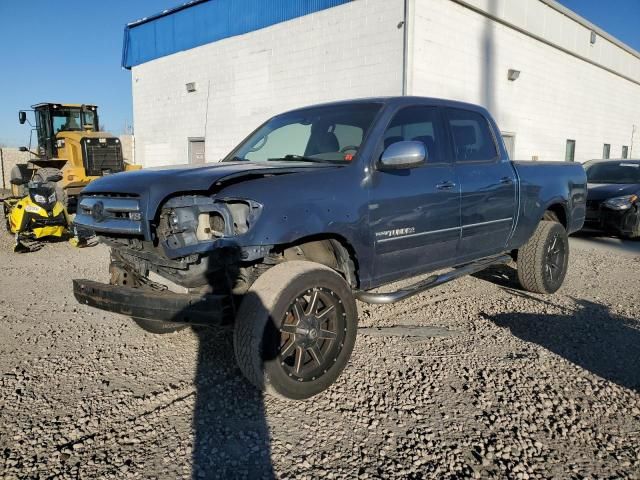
pixel 154 185
pixel 185 178
pixel 603 191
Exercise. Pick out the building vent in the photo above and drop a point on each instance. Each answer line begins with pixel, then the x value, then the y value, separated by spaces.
pixel 191 87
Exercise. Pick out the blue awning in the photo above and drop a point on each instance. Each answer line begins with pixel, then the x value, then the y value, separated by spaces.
pixel 205 21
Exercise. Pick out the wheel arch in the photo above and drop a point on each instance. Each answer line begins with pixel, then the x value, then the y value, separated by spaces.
pixel 330 249
pixel 556 211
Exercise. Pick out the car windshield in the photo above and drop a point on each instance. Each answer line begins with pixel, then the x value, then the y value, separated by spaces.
pixel 329 134
pixel 615 172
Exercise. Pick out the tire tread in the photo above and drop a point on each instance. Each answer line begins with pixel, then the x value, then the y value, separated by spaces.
pixel 530 257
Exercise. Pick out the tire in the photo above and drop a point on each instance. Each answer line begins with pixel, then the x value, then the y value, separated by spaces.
pixel 543 260
pixel 158 327
pixel 272 351
pixel 21 171
pixel 42 174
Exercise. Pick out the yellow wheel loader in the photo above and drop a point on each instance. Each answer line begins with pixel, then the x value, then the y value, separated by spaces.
pixel 70 144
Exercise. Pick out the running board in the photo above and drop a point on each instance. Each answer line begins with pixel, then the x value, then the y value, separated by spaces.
pixel 430 282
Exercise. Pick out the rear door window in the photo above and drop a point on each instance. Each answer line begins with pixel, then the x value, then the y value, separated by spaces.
pixel 471 136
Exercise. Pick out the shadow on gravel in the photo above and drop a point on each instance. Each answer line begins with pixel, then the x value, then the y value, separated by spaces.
pixel 231 435
pixel 593 338
pixel 504 276
pixel 230 431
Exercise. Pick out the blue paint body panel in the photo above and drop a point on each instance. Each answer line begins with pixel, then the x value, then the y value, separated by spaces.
pixel 495 209
pixel 201 22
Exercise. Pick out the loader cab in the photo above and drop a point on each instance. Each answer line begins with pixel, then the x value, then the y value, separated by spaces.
pixel 53 118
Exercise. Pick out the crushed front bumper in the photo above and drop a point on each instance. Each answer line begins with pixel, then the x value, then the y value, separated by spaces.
pixel 154 305
pixel 620 222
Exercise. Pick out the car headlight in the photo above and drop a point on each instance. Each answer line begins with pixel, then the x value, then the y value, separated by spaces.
pixel 621 203
pixel 39 198
pixel 52 197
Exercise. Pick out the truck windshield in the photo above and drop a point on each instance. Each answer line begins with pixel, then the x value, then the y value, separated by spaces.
pixel 330 134
pixel 621 173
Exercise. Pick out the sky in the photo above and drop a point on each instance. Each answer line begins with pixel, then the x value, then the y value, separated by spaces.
pixel 70 51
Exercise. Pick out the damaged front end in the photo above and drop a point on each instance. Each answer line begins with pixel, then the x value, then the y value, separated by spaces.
pixel 176 266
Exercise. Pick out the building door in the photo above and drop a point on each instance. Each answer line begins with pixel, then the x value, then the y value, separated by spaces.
pixel 510 144
pixel 196 151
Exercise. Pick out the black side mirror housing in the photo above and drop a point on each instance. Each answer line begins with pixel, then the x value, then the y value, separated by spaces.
pixel 23 149
pixel 22 117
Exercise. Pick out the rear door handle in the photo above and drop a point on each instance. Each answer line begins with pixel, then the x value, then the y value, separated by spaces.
pixel 506 180
pixel 445 185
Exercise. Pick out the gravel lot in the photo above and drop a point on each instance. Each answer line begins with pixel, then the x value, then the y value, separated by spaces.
pixel 498 383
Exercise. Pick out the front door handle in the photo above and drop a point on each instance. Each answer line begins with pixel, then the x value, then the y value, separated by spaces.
pixel 445 185
pixel 506 180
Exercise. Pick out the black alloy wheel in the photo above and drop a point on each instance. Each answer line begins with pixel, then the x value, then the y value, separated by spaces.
pixel 312 334
pixel 555 259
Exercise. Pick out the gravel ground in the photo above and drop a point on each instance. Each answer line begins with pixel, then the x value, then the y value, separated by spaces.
pixel 495 383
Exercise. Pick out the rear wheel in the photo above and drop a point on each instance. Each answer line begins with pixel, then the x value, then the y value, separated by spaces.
pixel 543 260
pixel 295 329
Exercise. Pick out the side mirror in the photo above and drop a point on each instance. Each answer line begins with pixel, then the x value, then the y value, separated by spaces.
pixel 54 178
pixel 402 155
pixel 18 181
pixel 22 117
pixel 23 149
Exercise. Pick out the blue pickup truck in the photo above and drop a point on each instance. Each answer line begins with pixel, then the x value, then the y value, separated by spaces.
pixel 319 207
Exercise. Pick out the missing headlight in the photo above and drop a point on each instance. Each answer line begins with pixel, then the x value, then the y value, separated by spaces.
pixel 210 225
pixel 188 220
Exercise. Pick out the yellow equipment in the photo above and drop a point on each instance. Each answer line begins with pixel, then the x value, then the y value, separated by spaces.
pixel 70 144
pixel 38 215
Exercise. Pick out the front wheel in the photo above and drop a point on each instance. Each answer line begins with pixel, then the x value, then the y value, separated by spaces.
pixel 543 260
pixel 295 329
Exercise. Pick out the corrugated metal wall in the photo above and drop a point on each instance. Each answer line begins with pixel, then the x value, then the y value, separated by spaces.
pixel 208 21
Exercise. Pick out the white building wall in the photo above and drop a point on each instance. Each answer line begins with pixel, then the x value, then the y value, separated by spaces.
pixel 353 50
pixel 461 54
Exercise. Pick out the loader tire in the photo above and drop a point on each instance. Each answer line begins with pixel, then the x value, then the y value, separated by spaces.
pixel 20 171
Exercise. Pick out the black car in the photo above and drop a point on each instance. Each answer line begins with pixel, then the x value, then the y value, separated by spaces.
pixel 613 198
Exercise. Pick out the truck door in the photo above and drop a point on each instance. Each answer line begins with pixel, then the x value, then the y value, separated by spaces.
pixel 487 183
pixel 415 213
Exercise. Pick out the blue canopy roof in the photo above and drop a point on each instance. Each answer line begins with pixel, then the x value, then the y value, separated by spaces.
pixel 205 21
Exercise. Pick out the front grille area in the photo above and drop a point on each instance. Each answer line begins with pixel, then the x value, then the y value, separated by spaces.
pixel 104 214
pixel 102 156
